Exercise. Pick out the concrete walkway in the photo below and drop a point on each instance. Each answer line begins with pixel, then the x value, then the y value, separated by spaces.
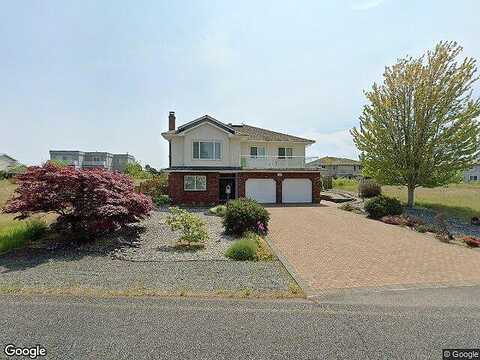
pixel 329 249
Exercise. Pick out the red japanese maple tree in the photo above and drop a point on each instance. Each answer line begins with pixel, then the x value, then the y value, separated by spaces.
pixel 87 201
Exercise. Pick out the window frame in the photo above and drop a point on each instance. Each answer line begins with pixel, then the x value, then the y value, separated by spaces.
pixel 257 156
pixel 195 182
pixel 285 155
pixel 216 145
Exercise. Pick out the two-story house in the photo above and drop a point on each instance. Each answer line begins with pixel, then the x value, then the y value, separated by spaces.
pixel 208 157
pixel 93 159
pixel 337 167
pixel 472 174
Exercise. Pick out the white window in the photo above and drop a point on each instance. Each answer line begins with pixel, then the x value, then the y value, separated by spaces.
pixel 206 150
pixel 257 151
pixel 284 153
pixel 195 183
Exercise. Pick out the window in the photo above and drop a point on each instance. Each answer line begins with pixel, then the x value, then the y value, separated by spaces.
pixel 284 153
pixel 473 178
pixel 203 150
pixel 195 183
pixel 96 158
pixel 257 151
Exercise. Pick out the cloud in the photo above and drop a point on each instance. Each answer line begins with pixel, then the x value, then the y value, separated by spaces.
pixel 338 144
pixel 365 4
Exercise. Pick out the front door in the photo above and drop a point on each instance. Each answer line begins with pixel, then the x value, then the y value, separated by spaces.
pixel 225 184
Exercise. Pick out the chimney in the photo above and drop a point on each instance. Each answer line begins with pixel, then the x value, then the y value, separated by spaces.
pixel 171 121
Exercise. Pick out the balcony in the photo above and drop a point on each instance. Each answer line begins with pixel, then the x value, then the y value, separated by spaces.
pixel 274 162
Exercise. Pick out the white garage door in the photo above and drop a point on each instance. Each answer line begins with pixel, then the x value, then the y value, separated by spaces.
pixel 261 190
pixel 297 191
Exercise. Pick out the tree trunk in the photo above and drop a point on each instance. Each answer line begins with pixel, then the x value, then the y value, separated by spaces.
pixel 411 196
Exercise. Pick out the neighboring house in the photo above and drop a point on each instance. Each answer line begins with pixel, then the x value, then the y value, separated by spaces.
pixel 473 174
pixel 337 167
pixel 207 156
pixel 95 159
pixel 7 163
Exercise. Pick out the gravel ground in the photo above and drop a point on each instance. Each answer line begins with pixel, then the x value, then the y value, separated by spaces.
pixel 92 271
pixel 143 256
pixel 157 241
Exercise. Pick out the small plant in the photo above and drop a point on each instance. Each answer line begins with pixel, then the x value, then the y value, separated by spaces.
pixel 242 250
pixel 368 189
pixel 192 227
pixel 472 241
pixel 381 206
pixel 443 233
pixel 218 210
pixel 244 215
pixel 327 182
pixel 17 235
pixel 161 200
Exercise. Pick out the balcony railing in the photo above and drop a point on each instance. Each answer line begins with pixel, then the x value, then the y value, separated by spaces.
pixel 274 162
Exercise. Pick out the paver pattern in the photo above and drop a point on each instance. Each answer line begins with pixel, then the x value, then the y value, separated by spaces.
pixel 333 249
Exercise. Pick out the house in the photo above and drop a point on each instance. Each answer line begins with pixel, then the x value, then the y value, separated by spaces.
pixel 8 164
pixel 95 159
pixel 337 167
pixel 207 156
pixel 472 174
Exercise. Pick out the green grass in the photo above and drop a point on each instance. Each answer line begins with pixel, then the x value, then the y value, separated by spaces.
pixel 457 200
pixel 18 234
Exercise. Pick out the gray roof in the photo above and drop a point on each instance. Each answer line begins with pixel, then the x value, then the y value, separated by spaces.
pixel 253 132
pixel 330 160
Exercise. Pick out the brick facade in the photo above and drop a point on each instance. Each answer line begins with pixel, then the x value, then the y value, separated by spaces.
pixel 211 196
pixel 179 196
pixel 313 176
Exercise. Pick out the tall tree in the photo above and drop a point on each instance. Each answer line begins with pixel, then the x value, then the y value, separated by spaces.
pixel 420 126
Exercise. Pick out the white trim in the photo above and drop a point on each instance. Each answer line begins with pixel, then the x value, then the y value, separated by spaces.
pixel 208 141
pixel 195 182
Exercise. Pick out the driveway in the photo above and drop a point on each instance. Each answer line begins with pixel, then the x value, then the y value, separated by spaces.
pixel 329 249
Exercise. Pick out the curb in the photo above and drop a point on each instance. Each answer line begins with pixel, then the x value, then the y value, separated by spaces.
pixel 306 288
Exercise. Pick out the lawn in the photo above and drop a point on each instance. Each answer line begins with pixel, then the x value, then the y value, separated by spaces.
pixel 457 200
pixel 6 191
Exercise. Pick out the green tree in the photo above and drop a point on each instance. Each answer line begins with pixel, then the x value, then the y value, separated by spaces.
pixel 420 127
pixel 135 171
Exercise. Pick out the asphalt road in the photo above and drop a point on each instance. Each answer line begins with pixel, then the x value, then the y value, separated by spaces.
pixel 414 324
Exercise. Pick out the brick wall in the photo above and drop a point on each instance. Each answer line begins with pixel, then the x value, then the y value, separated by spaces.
pixel 179 196
pixel 313 176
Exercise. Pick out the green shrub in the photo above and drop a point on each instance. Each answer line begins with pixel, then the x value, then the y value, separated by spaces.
pixel 192 227
pixel 160 200
pixel 16 235
pixel 327 182
pixel 380 206
pixel 344 183
pixel 243 249
pixel 154 187
pixel 369 189
pixel 136 171
pixel 244 215
pixel 218 210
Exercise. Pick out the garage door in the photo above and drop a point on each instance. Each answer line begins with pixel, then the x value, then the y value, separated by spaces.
pixel 261 190
pixel 297 191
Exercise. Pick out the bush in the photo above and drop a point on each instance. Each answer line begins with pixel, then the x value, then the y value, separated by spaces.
pixel 16 235
pixel 218 210
pixel 326 182
pixel 380 206
pixel 88 201
pixel 161 200
pixel 243 249
pixel 368 189
pixel 135 171
pixel 244 215
pixel 192 227
pixel 154 187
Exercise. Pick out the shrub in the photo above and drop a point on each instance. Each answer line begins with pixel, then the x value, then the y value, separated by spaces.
pixel 326 182
pixel 245 215
pixel 243 249
pixel 218 210
pixel 192 227
pixel 380 206
pixel 368 189
pixel 161 200
pixel 135 171
pixel 154 187
pixel 88 201
pixel 16 235
pixel 403 220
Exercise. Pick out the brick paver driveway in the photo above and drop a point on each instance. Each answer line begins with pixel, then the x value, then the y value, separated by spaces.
pixel 330 249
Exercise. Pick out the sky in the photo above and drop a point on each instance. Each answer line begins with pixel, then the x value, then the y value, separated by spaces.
pixel 103 75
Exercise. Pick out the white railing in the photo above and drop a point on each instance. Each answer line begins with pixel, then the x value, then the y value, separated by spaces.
pixel 274 162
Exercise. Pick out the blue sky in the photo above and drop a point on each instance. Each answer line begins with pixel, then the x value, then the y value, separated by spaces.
pixel 103 75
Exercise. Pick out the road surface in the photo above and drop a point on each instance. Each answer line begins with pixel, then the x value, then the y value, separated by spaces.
pixel 412 324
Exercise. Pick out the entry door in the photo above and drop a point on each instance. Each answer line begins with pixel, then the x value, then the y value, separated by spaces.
pixel 261 190
pixel 222 183
pixel 297 191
